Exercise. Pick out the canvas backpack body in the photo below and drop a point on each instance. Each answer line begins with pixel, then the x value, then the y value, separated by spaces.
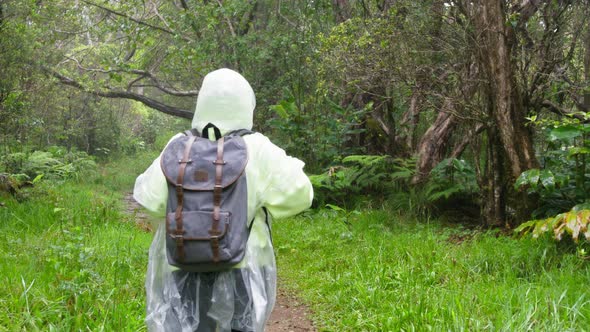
pixel 207 225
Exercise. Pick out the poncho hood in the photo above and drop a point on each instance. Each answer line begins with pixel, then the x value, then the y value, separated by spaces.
pixel 227 100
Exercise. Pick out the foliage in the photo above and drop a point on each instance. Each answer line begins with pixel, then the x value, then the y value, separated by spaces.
pixel 574 223
pixel 54 164
pixel 358 175
pixel 385 272
pixel 452 182
pixel 332 79
pixel 69 261
pixel 565 179
pixel 377 177
pixel 451 177
pixel 565 182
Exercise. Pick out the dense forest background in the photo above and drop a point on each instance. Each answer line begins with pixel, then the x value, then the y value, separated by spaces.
pixel 480 110
pixel 435 133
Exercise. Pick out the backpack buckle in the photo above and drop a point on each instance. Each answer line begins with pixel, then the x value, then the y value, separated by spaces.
pixel 179 189
pixel 185 162
pixel 176 235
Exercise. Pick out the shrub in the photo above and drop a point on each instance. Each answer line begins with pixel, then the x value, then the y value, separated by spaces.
pixel 358 175
pixel 54 164
pixel 573 223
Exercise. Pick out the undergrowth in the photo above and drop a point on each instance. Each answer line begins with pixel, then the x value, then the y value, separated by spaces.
pixel 70 260
pixel 378 271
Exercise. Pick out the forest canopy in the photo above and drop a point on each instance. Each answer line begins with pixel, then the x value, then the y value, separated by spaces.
pixel 432 104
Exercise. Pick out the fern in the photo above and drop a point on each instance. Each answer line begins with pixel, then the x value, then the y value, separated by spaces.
pixel 54 164
pixel 358 174
pixel 449 178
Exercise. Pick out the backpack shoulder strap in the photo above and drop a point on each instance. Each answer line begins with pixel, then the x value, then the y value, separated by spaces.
pixel 192 132
pixel 240 132
pixel 266 221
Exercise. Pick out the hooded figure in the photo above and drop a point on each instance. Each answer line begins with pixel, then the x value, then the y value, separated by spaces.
pixel 240 299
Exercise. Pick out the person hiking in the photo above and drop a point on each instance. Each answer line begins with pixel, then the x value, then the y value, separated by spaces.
pixel 240 298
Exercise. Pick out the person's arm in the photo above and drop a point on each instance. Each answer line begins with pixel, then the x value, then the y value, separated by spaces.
pixel 285 189
pixel 151 189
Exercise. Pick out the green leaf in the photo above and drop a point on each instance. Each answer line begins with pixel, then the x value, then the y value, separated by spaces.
pixel 335 207
pixel 572 225
pixel 565 132
pixel 530 177
pixel 280 110
pixel 38 178
pixel 116 77
pixel 582 206
pixel 525 227
pixel 577 150
pixel 547 179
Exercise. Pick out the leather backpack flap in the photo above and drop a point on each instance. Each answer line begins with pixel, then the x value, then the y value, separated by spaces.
pixel 200 169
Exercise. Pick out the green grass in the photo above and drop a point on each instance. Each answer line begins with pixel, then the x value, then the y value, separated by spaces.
pixel 380 272
pixel 70 260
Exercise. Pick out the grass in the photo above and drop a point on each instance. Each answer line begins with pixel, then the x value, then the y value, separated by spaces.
pixel 376 271
pixel 70 260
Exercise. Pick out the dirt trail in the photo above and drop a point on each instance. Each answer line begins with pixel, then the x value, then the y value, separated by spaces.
pixel 289 315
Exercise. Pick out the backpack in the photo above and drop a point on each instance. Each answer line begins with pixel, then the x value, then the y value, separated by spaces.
pixel 206 214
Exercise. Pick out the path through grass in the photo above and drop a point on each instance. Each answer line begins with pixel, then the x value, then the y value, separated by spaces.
pixel 68 262
pixel 377 271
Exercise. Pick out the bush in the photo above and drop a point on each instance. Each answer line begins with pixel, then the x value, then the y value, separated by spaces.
pixel 358 175
pixel 573 223
pixel 54 164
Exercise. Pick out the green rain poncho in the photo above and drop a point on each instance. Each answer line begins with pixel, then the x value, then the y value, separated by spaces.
pixel 242 298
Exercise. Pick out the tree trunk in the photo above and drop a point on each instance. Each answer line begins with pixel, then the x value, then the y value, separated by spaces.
pixel 508 113
pixel 341 10
pixel 410 120
pixel 434 142
pixel 494 202
pixel 587 70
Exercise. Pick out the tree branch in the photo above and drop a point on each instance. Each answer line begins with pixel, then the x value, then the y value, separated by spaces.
pixel 526 9
pixel 227 20
pixel 459 148
pixel 142 74
pixel 167 90
pixel 151 103
pixel 140 22
pixel 561 111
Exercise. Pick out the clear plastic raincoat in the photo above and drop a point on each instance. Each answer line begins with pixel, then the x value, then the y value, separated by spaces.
pixel 240 299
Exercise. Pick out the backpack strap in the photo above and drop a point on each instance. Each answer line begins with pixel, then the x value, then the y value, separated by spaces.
pixel 192 132
pixel 205 132
pixel 179 233
pixel 217 189
pixel 266 220
pixel 240 132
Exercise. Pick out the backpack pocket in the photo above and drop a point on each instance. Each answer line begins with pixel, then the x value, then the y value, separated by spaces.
pixel 198 242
